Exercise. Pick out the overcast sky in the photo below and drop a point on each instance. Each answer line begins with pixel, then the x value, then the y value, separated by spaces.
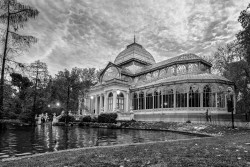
pixel 89 33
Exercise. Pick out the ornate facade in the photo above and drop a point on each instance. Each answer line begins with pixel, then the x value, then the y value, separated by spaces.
pixel 177 89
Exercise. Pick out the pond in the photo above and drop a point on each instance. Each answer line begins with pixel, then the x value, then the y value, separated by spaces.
pixel 20 141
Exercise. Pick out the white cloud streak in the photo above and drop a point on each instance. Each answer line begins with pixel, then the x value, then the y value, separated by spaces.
pixel 90 33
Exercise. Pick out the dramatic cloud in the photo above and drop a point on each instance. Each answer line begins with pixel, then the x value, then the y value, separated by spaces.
pixel 89 33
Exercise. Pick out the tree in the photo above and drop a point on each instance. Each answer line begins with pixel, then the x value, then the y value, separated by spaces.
pixel 244 35
pixel 22 99
pixel 229 61
pixel 15 15
pixel 39 75
pixel 224 55
pixel 69 85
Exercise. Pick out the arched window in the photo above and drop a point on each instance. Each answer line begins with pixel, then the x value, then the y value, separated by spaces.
pixel 141 100
pixel 181 69
pixel 162 73
pixel 149 100
pixel 194 96
pixel 221 98
pixel 110 101
pixel 148 76
pixel 170 71
pixel 155 74
pixel 120 101
pixel 160 99
pixel 208 97
pixel 168 98
pixel 181 98
pixel 135 101
pixel 193 68
pixel 156 99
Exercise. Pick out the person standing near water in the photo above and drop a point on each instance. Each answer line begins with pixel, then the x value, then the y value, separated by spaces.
pixel 208 116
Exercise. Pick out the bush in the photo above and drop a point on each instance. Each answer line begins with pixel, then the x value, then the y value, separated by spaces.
pixel 66 118
pixel 86 119
pixel 95 119
pixel 188 121
pixel 107 118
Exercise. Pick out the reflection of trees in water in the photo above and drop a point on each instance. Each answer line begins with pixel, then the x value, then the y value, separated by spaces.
pixel 52 138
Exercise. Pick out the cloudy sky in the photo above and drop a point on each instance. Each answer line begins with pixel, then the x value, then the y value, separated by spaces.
pixel 89 33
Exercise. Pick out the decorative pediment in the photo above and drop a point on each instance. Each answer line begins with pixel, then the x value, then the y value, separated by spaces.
pixel 110 72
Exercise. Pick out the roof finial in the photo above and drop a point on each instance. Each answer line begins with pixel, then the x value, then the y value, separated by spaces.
pixel 134 36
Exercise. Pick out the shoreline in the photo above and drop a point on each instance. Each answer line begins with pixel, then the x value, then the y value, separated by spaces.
pixel 215 136
pixel 96 147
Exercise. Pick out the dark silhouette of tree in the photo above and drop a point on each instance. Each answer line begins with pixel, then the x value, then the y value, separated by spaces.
pixel 39 75
pixel 22 99
pixel 14 15
pixel 233 62
pixel 244 35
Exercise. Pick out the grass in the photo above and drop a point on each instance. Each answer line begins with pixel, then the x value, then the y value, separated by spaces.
pixel 229 148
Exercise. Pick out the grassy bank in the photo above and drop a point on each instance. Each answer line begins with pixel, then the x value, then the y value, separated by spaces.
pixel 229 148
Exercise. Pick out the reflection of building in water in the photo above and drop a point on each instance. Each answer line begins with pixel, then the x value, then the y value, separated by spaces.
pixel 177 89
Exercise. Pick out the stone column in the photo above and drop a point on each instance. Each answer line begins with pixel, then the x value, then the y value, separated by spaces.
pixel 105 102
pixel 145 101
pixel 216 100
pixel 101 103
pixel 162 99
pixel 188 99
pixel 138 97
pixel 225 100
pixel 96 105
pixel 131 101
pixel 114 100
pixel 174 98
pixel 126 109
pixel 201 99
pixel 153 99
pixel 158 99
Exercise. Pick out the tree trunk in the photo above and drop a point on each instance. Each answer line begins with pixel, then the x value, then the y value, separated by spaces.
pixel 3 63
pixel 34 101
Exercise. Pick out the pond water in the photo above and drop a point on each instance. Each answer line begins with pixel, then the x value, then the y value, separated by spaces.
pixel 20 141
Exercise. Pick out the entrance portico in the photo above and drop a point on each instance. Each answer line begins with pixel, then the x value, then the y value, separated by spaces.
pixel 113 98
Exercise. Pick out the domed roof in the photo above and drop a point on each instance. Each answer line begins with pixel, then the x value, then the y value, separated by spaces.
pixel 134 51
pixel 186 56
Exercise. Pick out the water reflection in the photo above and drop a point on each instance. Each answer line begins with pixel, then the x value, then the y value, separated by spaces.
pixel 18 141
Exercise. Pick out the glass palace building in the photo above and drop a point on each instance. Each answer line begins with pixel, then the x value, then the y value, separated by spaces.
pixel 177 89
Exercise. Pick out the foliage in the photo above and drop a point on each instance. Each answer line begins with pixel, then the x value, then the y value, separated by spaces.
pixel 66 118
pixel 94 119
pixel 14 15
pixel 233 62
pixel 86 119
pixel 244 35
pixel 18 105
pixel 68 86
pixel 107 118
